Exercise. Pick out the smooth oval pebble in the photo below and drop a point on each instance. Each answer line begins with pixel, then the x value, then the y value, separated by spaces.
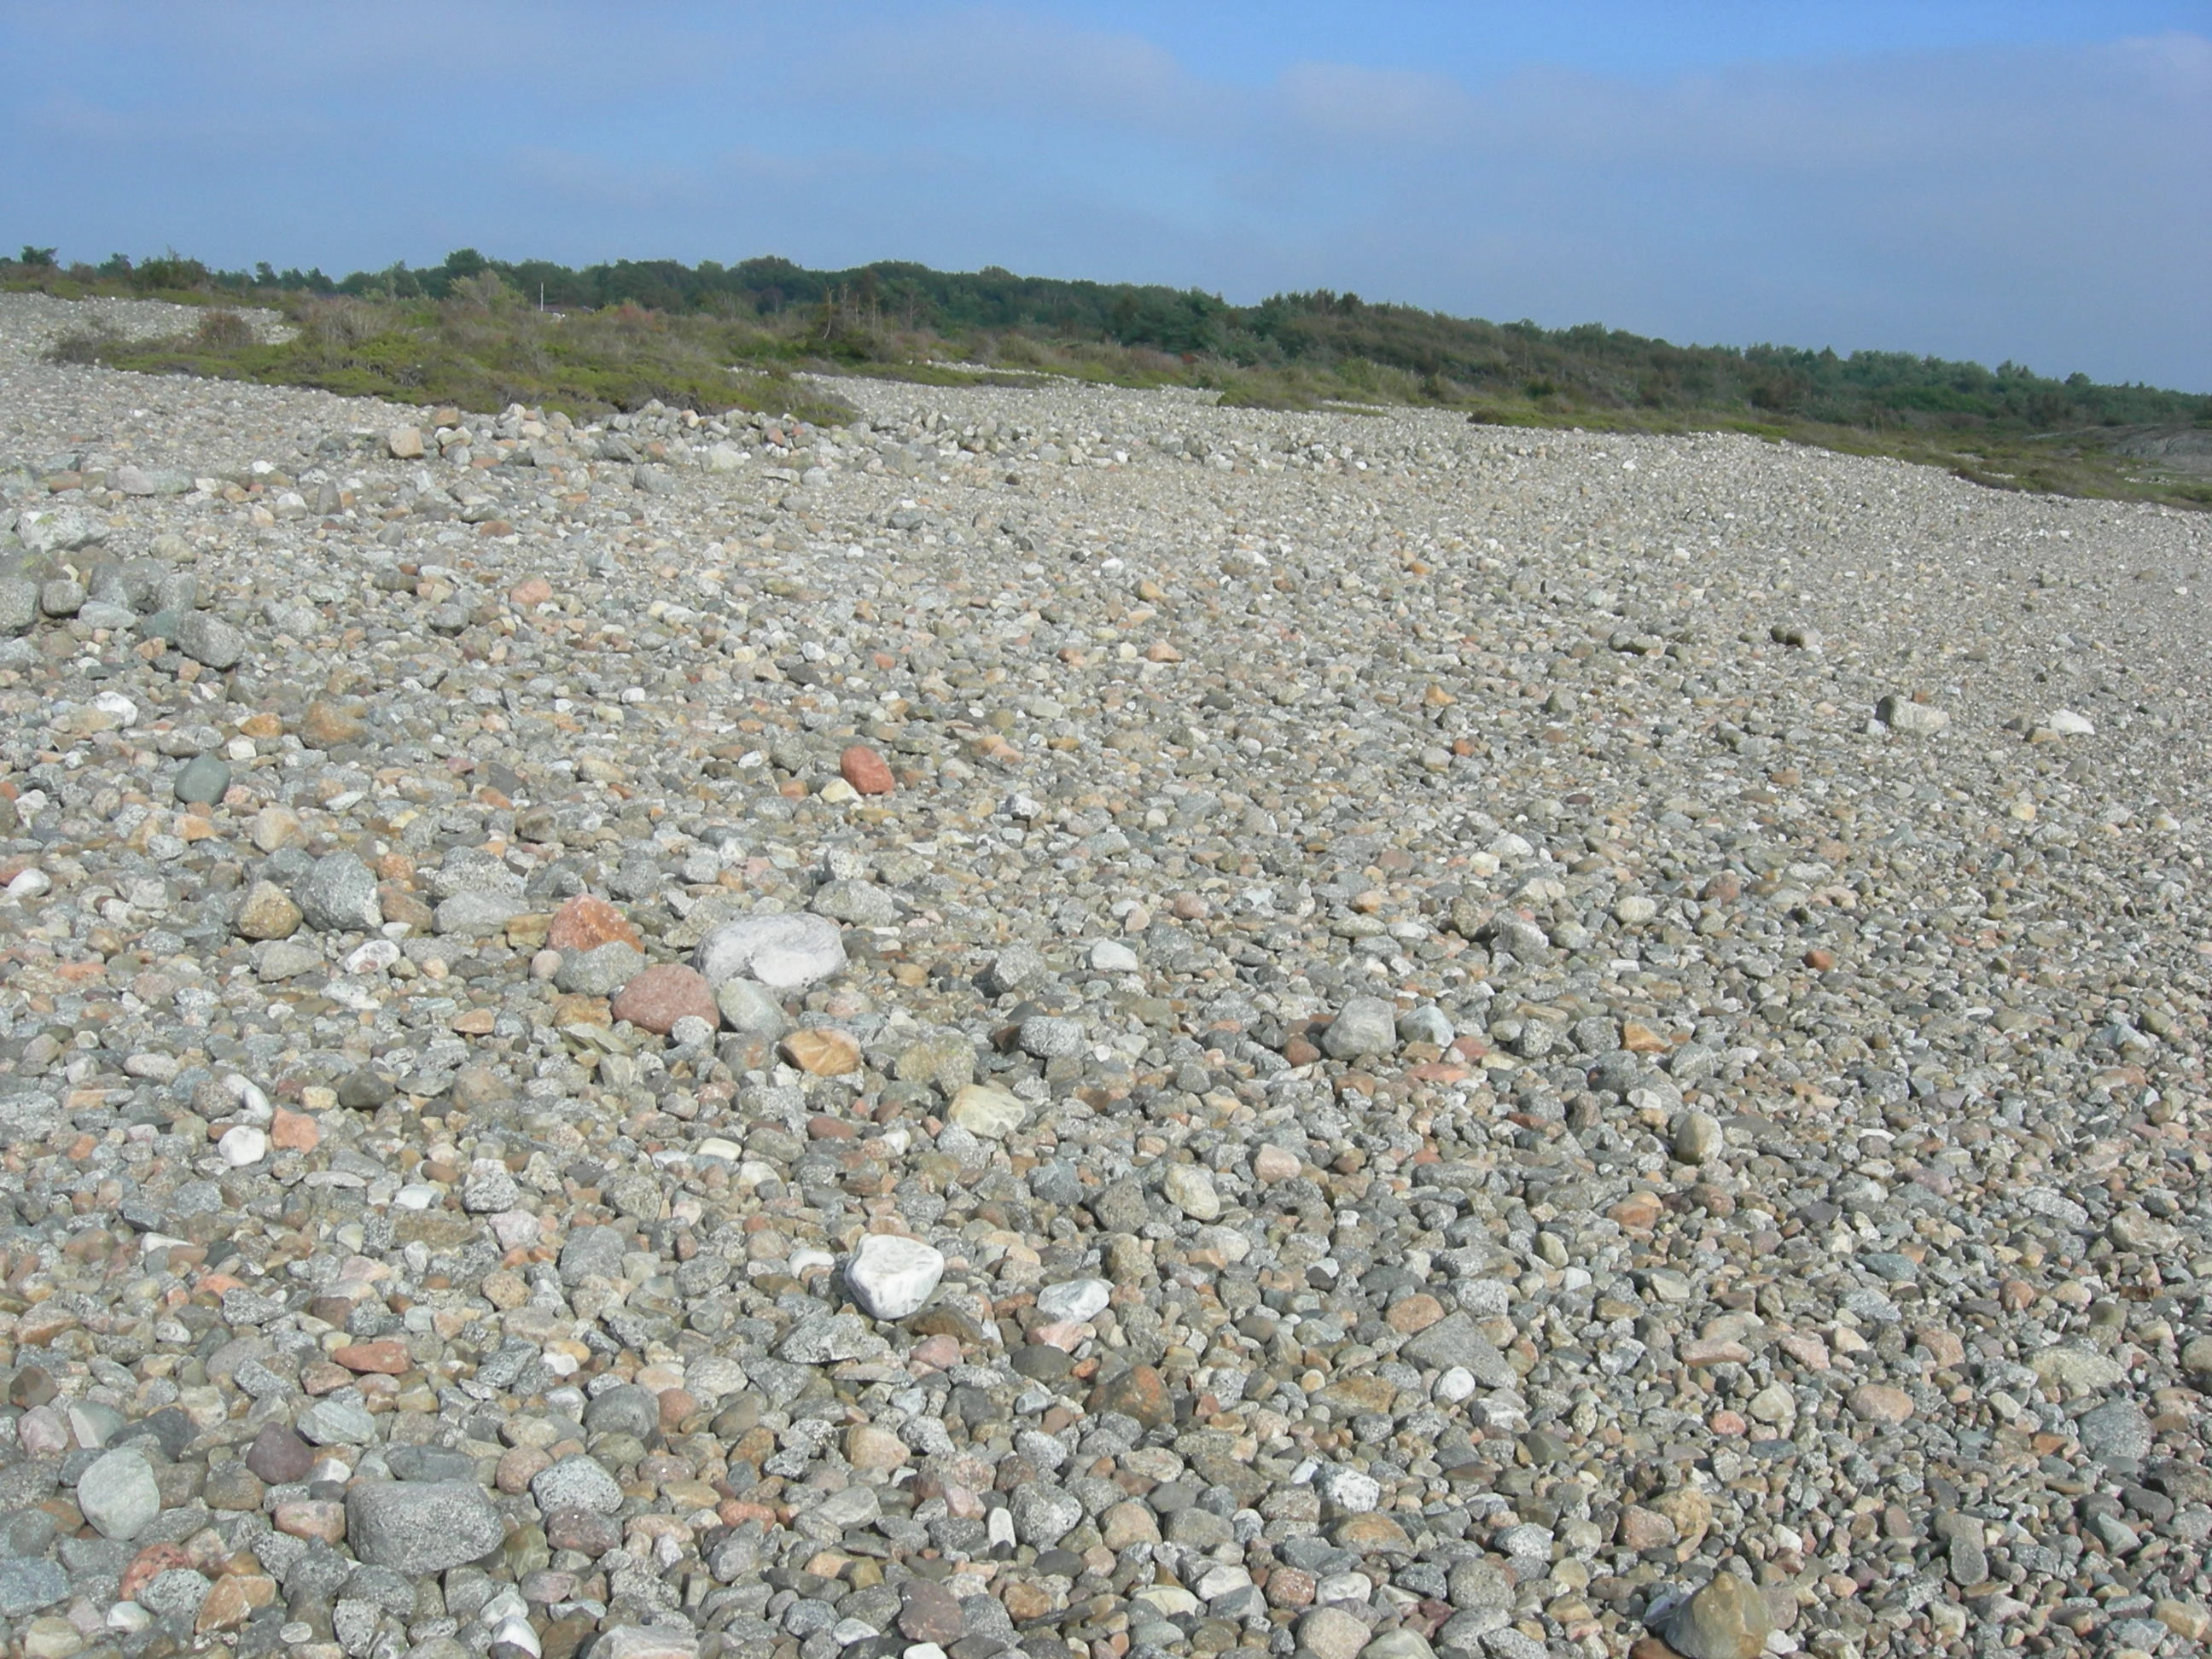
pixel 202 780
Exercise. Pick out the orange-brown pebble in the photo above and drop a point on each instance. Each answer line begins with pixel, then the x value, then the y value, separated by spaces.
pixel 866 770
pixel 585 922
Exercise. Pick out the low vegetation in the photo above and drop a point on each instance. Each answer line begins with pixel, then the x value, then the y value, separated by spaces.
pixel 483 333
pixel 479 348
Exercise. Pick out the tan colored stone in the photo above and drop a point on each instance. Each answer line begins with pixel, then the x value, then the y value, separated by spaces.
pixel 1361 1391
pixel 1125 1524
pixel 313 1518
pixel 1026 1601
pixel 267 912
pixel 1877 1402
pixel 1370 1534
pixel 325 724
pixel 275 827
pixel 1641 1529
pixel 521 1465
pixel 1689 1511
pixel 234 1599
pixel 2184 1618
pixel 867 1447
pixel 577 1009
pixel 822 1052
pixel 1942 1344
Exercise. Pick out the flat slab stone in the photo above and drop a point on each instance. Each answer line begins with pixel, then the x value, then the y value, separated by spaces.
pixel 786 951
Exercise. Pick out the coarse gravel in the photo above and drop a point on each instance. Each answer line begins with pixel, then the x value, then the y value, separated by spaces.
pixel 1477 1041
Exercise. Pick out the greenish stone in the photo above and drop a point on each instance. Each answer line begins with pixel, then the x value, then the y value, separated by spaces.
pixel 201 782
pixel 1544 1447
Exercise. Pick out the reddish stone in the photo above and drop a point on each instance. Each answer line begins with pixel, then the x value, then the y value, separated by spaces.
pixel 389 1358
pixel 295 1131
pixel 148 1564
pixel 319 1376
pixel 676 1404
pixel 866 770
pixel 584 923
pixel 1819 961
pixel 1726 887
pixel 585 1531
pixel 330 724
pixel 530 592
pixel 1641 1529
pixel 1638 1213
pixel 1874 1402
pixel 519 1465
pixel 1943 1345
pixel 278 1456
pixel 930 1612
pixel 661 995
pixel 1415 1313
pixel 1139 1392
pixel 1429 1071
pixel 937 1352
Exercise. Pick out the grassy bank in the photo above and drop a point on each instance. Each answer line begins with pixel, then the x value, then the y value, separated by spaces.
pixel 613 336
pixel 481 353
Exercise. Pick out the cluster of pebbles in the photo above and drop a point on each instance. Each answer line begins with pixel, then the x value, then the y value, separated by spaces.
pixel 1067 1022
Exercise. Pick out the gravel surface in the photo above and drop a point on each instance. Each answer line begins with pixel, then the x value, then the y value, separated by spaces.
pixel 1071 1021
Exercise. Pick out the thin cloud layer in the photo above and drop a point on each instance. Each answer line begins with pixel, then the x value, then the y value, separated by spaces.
pixel 2049 204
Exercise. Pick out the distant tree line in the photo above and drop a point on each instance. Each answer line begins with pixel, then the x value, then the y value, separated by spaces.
pixel 879 311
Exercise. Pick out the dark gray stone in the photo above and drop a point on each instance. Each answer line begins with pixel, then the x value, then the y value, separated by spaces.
pixel 420 1526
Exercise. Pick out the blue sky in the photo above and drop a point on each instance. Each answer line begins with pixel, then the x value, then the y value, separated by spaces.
pixel 2028 180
